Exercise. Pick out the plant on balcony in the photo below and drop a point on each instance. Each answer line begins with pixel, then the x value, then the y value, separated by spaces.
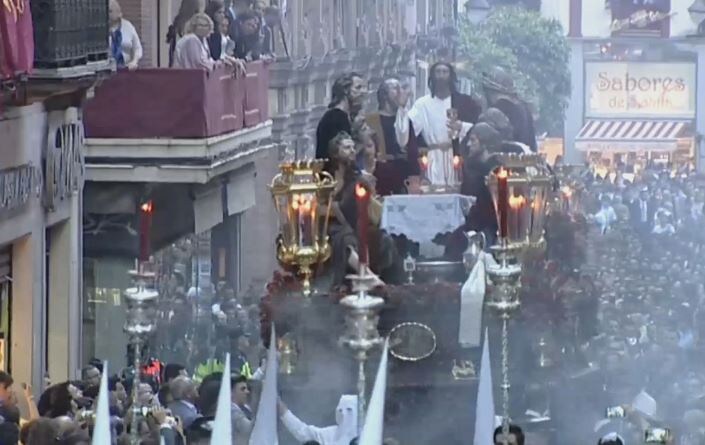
pixel 533 49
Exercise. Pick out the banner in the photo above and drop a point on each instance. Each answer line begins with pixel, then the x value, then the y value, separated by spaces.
pixel 16 38
pixel 640 90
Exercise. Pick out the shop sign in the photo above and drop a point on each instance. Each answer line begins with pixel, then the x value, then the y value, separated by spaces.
pixel 18 185
pixel 640 90
pixel 64 166
pixel 639 20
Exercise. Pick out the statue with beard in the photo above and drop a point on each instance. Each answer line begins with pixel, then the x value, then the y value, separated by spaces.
pixel 440 120
pixel 501 94
pixel 348 93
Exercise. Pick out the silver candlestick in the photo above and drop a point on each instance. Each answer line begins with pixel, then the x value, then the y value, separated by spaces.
pixel 361 334
pixel 505 277
pixel 409 268
pixel 139 325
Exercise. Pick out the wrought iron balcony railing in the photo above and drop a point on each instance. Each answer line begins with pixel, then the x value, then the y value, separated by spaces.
pixel 69 33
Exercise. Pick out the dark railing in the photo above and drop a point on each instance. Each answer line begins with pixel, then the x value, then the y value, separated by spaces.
pixel 69 32
pixel 178 104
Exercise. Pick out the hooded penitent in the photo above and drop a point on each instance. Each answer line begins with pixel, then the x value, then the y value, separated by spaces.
pixel 342 433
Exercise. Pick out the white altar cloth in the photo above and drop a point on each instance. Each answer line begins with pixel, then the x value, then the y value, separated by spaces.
pixel 421 217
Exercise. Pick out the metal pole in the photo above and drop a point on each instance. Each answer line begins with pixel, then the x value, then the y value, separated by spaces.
pixel 505 379
pixel 134 432
pixel 361 390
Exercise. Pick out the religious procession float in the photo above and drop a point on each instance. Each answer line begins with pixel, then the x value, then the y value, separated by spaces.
pixel 436 314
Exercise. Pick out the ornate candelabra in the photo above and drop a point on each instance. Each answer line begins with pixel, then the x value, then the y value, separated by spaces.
pixel 140 323
pixel 302 194
pixel 520 190
pixel 360 335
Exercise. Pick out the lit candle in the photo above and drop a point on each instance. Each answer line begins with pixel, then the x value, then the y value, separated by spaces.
pixel 502 200
pixel 363 200
pixel 145 229
pixel 567 194
pixel 305 223
pixel 458 169
pixel 516 207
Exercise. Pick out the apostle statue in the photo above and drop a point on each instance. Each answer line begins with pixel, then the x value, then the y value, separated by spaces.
pixel 501 94
pixel 396 153
pixel 440 120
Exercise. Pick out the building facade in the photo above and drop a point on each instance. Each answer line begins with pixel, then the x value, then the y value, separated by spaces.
pixel 204 168
pixel 41 185
pixel 637 68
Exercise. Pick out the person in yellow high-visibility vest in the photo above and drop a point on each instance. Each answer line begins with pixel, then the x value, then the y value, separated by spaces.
pixel 204 369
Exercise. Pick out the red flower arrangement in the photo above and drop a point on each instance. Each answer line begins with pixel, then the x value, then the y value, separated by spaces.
pixel 281 305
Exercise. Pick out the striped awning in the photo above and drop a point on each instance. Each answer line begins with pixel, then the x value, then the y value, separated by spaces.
pixel 630 135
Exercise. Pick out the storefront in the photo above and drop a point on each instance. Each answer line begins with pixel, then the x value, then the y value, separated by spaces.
pixel 636 111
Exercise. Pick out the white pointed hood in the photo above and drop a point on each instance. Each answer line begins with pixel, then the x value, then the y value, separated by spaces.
pixel 346 419
pixel 222 426
pixel 101 431
pixel 264 431
pixel 373 431
pixel 484 411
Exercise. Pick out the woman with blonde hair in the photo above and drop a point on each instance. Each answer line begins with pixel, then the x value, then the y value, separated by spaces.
pixel 192 50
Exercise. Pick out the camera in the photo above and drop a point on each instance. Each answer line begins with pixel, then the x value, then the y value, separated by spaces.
pixel 148 410
pixel 616 412
pixel 657 435
pixel 85 415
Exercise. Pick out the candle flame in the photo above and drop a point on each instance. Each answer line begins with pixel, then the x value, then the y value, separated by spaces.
pixel 502 173
pixel 424 160
pixel 300 202
pixel 147 207
pixel 360 191
pixel 567 191
pixel 516 201
pixel 456 161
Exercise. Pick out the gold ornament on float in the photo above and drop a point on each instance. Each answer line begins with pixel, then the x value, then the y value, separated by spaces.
pixel 303 195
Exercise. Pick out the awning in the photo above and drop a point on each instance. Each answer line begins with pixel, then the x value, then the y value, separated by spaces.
pixel 630 135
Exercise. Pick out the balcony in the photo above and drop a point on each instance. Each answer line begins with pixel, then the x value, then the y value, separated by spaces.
pixel 70 38
pixel 176 126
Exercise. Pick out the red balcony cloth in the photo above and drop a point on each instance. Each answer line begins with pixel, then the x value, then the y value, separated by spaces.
pixel 16 38
pixel 175 103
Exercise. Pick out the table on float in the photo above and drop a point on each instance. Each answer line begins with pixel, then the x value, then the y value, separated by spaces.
pixel 421 217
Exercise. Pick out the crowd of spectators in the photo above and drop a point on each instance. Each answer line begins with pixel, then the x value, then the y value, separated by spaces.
pixel 206 34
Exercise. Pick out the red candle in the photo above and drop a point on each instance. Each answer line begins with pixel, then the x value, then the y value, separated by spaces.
pixel 423 162
pixel 363 200
pixel 502 201
pixel 145 229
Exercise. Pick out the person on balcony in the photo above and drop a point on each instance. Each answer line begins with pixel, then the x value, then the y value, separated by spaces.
pixel 347 94
pixel 273 40
pixel 441 120
pixel 177 30
pixel 247 36
pixel 234 8
pixel 192 50
pixel 125 45
pixel 216 11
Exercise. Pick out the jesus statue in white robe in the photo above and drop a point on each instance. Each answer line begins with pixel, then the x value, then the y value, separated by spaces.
pixel 439 118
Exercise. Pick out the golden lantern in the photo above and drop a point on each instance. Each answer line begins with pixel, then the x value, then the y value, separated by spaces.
pixel 302 194
pixel 521 189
